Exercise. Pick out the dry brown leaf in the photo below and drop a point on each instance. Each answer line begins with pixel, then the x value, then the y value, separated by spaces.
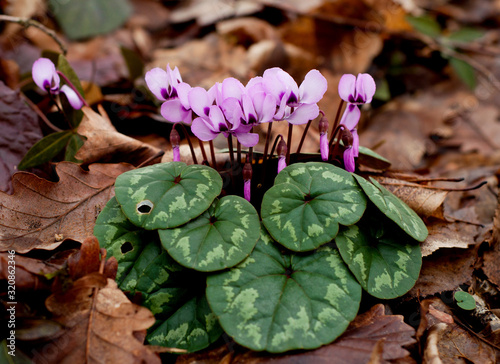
pixel 42 214
pixel 446 341
pixel 426 202
pixel 100 324
pixel 448 235
pixel 371 335
pixel 105 144
pixel 444 270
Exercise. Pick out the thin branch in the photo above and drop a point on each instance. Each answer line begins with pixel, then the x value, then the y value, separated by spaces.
pixel 33 23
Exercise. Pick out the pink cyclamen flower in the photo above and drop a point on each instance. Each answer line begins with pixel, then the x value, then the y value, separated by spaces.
pixel 295 104
pixel 355 91
pixel 45 76
pixel 282 150
pixel 175 141
pixel 323 137
pixel 219 112
pixel 168 87
pixel 351 152
pixel 247 181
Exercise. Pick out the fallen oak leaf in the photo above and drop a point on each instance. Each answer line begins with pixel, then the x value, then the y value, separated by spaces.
pixel 42 214
pixel 100 325
pixel 104 143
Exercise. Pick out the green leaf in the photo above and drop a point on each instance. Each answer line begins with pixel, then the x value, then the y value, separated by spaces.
pixel 394 208
pixel 425 25
pixel 45 149
pixel 74 144
pixel 192 327
pixel 219 238
pixel 279 302
pixel 84 19
pixel 465 71
pixel 464 300
pixel 371 159
pixel 167 195
pixel 143 266
pixel 135 65
pixel 304 208
pixel 466 35
pixel 385 261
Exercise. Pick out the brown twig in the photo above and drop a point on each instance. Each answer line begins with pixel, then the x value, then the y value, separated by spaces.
pixel 40 113
pixel 33 23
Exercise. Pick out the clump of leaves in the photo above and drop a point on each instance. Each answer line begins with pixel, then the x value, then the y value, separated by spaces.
pixel 289 278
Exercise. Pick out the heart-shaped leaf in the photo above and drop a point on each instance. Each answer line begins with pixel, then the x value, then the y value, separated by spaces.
pixel 192 327
pixel 219 238
pixel 167 195
pixel 304 208
pixel 385 261
pixel 465 300
pixel 394 208
pixel 143 265
pixel 279 302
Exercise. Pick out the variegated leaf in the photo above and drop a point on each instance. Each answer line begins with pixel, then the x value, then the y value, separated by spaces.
pixel 304 208
pixel 219 238
pixel 167 195
pixel 385 260
pixel 192 327
pixel 143 265
pixel 279 302
pixel 394 208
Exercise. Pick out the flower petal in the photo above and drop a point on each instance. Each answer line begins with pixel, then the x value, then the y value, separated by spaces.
pixel 247 139
pixel 247 189
pixel 312 88
pixel 173 111
pixel 355 142
pixel 74 100
pixel 349 164
pixel 199 101
pixel 232 111
pixel 202 129
pixel 365 87
pixel 347 87
pixel 183 92
pixel 351 116
pixel 323 146
pixel 157 81
pixel 231 87
pixel 281 163
pixel 44 74
pixel 303 114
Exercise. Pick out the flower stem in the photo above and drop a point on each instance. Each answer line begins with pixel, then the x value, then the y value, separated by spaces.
pixel 212 154
pixel 186 134
pixel 305 133
pixel 336 121
pixel 268 138
pixel 70 84
pixel 289 143
pixel 231 152
pixel 238 152
pixel 203 153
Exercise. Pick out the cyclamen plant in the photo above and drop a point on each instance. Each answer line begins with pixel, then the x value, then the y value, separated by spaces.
pixel 279 270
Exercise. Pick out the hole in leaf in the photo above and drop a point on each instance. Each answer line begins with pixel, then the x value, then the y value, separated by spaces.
pixel 126 247
pixel 144 207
